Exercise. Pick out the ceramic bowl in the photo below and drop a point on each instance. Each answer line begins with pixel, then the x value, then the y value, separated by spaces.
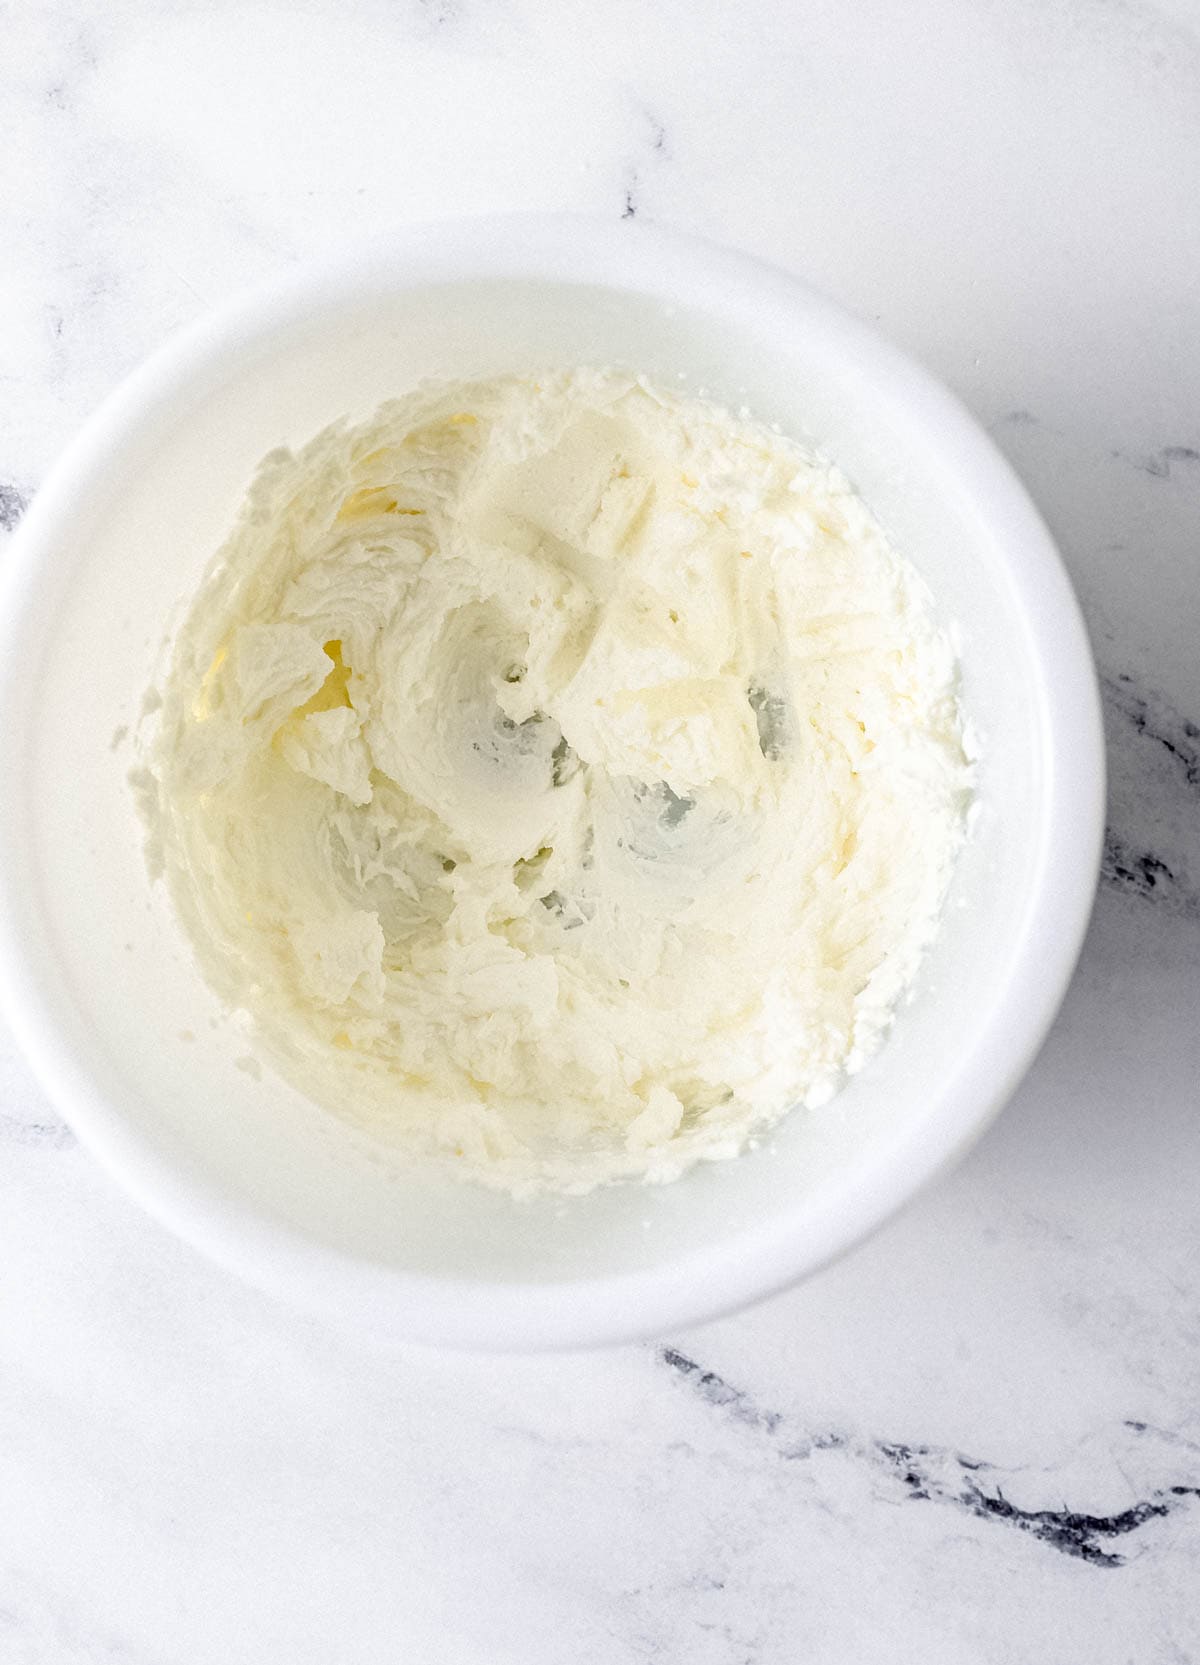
pixel 100 986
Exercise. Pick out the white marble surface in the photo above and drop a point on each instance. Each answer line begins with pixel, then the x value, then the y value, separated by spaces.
pixel 979 1438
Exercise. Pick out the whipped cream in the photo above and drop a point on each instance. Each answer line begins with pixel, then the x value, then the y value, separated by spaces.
pixel 565 777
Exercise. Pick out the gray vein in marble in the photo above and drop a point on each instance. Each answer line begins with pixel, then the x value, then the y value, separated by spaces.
pixel 1166 1434
pixel 46 1624
pixel 47 1133
pixel 439 14
pixel 1154 766
pixel 656 149
pixel 1153 717
pixel 1160 465
pixel 13 504
pixel 1020 418
pixel 951 1479
pixel 1140 873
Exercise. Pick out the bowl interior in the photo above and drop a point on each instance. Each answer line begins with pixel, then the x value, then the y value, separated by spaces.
pixel 168 1092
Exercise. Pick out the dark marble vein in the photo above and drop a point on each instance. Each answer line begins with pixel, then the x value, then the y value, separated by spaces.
pixel 1156 720
pixel 13 504
pixel 939 1475
pixel 1152 844
pixel 1143 874
pixel 1159 465
pixel 716 1391
pixel 656 148
pixel 931 1474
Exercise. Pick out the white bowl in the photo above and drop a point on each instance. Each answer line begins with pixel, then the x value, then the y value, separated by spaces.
pixel 100 986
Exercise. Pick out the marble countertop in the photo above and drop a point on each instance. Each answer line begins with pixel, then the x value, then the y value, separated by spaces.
pixel 978 1438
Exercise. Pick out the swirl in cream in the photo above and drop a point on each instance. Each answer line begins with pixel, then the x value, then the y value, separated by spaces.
pixel 565 777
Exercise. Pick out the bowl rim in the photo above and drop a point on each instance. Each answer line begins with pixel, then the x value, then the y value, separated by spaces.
pixel 730 1273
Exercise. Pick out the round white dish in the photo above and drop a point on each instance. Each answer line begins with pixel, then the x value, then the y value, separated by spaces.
pixel 100 985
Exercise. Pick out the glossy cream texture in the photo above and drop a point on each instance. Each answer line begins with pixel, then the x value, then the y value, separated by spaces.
pixel 565 777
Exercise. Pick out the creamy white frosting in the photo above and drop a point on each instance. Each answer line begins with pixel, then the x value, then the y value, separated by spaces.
pixel 565 777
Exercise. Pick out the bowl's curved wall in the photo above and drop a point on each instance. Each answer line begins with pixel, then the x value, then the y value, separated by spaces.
pixel 102 986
